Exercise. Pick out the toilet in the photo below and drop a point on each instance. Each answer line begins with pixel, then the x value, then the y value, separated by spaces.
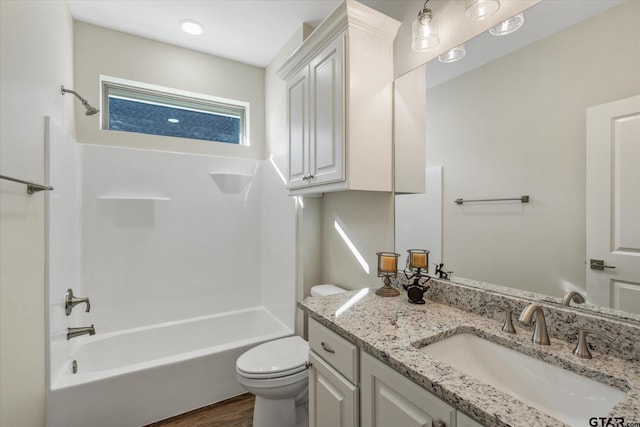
pixel 276 373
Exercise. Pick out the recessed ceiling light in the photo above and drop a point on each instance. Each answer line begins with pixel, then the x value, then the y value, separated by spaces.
pixel 190 26
pixel 173 120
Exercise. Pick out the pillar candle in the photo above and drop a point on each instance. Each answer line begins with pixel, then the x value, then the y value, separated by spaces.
pixel 419 260
pixel 388 264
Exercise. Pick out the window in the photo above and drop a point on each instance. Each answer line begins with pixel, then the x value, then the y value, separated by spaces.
pixel 137 107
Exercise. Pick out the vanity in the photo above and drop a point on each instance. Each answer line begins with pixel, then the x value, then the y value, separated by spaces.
pixel 371 364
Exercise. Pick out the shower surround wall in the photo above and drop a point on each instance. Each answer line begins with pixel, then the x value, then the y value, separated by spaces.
pixel 155 237
pixel 168 236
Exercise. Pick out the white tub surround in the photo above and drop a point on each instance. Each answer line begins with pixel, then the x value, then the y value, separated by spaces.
pixel 400 329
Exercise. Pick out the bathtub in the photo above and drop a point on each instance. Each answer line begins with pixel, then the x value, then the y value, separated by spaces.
pixel 137 376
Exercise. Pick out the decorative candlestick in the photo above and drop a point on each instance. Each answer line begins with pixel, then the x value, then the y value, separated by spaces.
pixel 387 268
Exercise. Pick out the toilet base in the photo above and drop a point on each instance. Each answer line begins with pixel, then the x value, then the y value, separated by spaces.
pixel 280 412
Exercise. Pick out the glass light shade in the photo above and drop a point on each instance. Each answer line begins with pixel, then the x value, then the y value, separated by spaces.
pixel 509 26
pixel 424 32
pixel 455 54
pixel 480 9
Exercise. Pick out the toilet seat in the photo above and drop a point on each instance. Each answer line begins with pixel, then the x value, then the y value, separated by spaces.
pixel 274 359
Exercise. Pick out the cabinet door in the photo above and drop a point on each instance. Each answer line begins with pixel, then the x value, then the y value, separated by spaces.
pixel 390 400
pixel 333 401
pixel 298 105
pixel 327 122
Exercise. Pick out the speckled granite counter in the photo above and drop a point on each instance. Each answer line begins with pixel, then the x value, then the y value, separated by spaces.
pixel 392 330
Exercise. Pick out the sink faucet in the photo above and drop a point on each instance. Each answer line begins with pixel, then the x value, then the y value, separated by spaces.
pixel 76 332
pixel 572 296
pixel 540 334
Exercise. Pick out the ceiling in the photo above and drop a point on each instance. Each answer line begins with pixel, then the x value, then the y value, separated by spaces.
pixel 249 31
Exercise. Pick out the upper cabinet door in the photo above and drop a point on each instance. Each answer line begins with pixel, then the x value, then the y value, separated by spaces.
pixel 298 105
pixel 327 122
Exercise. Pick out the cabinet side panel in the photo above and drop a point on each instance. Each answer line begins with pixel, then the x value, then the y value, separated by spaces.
pixel 369 113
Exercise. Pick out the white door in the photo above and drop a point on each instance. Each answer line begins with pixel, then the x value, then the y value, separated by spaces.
pixel 613 204
pixel 333 401
pixel 298 105
pixel 390 400
pixel 327 122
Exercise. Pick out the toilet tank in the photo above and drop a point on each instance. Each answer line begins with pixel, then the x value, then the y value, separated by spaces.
pixel 326 289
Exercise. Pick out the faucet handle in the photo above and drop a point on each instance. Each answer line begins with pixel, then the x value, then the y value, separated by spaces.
pixel 507 326
pixel 582 350
pixel 71 301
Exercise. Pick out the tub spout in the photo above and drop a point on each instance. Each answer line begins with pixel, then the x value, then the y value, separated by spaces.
pixel 76 332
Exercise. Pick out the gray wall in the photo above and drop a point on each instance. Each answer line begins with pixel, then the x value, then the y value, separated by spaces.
pixel 102 51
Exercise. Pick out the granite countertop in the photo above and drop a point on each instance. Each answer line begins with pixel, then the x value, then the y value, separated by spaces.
pixel 392 330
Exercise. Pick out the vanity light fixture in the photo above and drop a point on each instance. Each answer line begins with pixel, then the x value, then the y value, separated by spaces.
pixel 509 26
pixel 455 54
pixel 387 268
pixel 192 27
pixel 424 32
pixel 480 9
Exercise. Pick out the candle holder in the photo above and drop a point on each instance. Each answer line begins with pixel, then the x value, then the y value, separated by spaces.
pixel 387 268
pixel 418 266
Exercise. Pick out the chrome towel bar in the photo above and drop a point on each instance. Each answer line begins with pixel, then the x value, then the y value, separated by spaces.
pixel 522 199
pixel 31 187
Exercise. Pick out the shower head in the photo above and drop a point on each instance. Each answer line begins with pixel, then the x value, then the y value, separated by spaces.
pixel 90 110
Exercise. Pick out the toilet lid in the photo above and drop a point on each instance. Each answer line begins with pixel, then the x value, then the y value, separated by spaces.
pixel 277 358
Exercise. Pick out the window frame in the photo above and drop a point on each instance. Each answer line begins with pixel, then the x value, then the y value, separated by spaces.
pixel 173 98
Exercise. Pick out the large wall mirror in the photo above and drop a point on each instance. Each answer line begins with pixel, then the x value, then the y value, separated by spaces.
pixel 510 119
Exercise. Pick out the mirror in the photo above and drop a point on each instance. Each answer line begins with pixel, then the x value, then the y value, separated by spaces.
pixel 508 120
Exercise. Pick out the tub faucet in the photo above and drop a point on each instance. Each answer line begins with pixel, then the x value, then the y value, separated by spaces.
pixel 540 334
pixel 572 296
pixel 76 332
pixel 70 301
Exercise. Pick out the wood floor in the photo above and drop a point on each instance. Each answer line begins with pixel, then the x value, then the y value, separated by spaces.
pixel 234 412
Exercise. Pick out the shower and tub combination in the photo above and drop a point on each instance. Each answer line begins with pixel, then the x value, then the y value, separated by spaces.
pixel 173 252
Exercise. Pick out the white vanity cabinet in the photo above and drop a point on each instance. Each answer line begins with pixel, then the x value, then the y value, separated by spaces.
pixel 333 379
pixel 388 400
pixel 340 103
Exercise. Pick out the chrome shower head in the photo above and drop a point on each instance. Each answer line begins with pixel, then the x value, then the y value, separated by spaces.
pixel 90 110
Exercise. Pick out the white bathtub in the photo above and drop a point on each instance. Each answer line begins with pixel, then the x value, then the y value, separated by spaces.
pixel 138 376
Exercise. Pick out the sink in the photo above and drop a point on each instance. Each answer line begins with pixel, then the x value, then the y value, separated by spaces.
pixel 562 394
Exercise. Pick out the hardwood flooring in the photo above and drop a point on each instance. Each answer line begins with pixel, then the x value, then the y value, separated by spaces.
pixel 234 412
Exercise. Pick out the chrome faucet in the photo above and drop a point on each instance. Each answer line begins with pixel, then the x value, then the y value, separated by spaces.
pixel 76 332
pixel 572 296
pixel 540 334
pixel 70 301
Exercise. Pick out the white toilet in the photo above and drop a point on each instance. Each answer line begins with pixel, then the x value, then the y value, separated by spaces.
pixel 276 373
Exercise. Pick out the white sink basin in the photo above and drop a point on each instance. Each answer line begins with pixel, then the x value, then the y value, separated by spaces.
pixel 562 394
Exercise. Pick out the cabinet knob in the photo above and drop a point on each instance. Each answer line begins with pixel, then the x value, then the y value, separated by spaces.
pixel 438 423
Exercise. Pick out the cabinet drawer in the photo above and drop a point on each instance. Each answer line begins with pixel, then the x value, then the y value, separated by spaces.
pixel 338 352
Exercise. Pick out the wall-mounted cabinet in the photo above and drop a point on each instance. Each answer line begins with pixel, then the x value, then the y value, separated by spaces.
pixel 339 94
